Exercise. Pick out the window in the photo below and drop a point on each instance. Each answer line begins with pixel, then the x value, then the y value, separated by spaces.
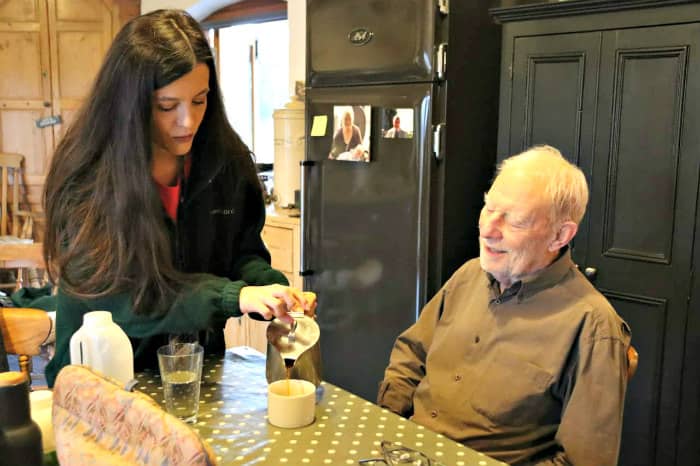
pixel 253 72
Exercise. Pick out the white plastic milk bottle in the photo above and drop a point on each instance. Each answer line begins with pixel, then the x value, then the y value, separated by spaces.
pixel 102 345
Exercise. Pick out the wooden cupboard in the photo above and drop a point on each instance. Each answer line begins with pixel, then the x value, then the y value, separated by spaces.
pixel 281 236
pixel 50 51
pixel 616 86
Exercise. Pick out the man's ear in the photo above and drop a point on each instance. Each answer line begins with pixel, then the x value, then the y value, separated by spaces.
pixel 564 235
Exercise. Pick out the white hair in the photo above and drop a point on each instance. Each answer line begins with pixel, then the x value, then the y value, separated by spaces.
pixel 565 185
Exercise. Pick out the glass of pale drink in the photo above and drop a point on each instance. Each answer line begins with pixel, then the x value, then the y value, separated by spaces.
pixel 181 372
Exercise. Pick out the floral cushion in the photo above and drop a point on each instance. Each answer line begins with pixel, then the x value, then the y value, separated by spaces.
pixel 97 422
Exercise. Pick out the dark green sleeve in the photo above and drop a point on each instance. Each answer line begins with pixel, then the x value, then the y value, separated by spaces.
pixel 36 298
pixel 204 305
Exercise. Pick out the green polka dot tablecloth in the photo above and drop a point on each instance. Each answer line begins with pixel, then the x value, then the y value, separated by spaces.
pixel 233 420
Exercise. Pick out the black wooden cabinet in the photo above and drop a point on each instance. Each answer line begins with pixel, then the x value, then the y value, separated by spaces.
pixel 615 85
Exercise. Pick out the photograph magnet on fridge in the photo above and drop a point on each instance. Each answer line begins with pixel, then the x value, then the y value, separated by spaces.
pixel 351 133
pixel 397 123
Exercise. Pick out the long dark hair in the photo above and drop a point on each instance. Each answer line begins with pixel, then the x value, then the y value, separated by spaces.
pixel 105 230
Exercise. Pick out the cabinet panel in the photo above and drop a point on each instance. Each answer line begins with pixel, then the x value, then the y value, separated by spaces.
pixel 21 51
pixel 280 243
pixel 642 210
pixel 282 237
pixel 80 55
pixel 79 10
pixel 648 91
pixel 20 10
pixel 554 84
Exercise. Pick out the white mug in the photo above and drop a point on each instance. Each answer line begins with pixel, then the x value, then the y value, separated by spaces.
pixel 291 403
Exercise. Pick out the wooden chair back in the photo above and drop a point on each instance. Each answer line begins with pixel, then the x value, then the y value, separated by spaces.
pixel 9 202
pixel 632 361
pixel 28 261
pixel 16 225
pixel 24 330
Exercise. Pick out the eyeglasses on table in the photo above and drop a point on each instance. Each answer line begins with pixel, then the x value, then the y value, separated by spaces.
pixel 394 454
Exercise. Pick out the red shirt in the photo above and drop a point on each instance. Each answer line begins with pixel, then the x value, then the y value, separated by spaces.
pixel 170 195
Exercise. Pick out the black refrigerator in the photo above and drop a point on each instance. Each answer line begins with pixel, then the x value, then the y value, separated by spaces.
pixel 390 209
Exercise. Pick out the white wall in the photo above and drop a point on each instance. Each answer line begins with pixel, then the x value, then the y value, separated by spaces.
pixel 296 14
pixel 150 5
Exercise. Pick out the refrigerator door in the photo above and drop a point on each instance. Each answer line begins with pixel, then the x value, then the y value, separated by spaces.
pixel 372 41
pixel 365 231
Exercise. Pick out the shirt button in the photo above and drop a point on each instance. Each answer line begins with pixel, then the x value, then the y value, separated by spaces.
pixel 433 413
pixel 458 378
pixel 477 339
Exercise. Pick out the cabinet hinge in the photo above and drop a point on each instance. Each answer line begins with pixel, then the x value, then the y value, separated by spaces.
pixel 444 6
pixel 441 60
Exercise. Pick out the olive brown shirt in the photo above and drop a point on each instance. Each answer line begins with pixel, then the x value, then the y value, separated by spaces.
pixel 533 375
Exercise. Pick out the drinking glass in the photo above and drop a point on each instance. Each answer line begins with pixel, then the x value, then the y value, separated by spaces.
pixel 181 372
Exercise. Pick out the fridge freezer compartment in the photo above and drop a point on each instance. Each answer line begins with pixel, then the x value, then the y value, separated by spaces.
pixel 373 41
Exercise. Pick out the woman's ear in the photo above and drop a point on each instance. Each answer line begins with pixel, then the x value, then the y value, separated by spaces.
pixel 564 234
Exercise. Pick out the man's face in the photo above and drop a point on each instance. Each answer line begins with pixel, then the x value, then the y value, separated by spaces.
pixel 515 234
pixel 397 122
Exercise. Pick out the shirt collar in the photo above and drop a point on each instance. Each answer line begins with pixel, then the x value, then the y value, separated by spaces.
pixel 546 278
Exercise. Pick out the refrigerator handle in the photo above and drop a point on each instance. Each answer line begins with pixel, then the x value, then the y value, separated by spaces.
pixel 303 266
pixel 441 60
pixel 439 141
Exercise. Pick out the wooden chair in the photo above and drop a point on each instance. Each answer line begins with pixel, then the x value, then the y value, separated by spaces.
pixel 10 213
pixel 24 330
pixel 17 247
pixel 632 361
pixel 24 257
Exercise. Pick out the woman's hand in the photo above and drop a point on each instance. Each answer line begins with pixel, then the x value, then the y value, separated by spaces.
pixel 272 301
pixel 311 302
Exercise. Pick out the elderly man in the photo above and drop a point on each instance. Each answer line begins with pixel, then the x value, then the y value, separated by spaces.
pixel 518 356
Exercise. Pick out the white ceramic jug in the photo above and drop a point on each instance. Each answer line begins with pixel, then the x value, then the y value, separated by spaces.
pixel 103 345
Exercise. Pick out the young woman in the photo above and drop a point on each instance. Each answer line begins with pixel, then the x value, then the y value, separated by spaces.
pixel 153 205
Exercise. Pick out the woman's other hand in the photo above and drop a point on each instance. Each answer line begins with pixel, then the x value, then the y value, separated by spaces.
pixel 311 303
pixel 272 301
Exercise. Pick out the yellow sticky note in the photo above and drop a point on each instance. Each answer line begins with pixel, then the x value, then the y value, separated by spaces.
pixel 319 126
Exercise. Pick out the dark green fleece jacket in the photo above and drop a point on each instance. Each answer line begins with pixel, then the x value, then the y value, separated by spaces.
pixel 220 216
